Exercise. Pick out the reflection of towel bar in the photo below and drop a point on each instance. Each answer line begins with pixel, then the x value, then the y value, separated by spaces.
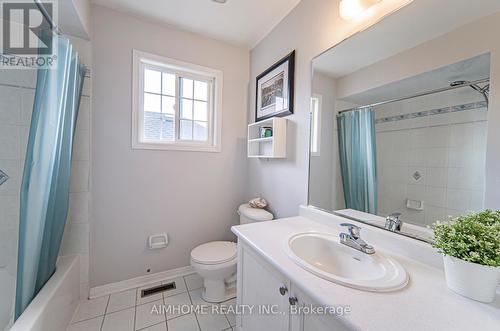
pixel 414 204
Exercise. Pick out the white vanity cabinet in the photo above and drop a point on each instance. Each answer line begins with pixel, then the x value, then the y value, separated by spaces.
pixel 259 287
pixel 270 295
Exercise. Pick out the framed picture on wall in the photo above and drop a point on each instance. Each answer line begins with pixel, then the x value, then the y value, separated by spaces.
pixel 274 93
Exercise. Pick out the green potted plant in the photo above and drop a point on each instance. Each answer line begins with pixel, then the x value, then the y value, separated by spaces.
pixel 470 245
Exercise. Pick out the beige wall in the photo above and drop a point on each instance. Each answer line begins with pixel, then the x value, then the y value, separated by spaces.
pixel 192 196
pixel 325 182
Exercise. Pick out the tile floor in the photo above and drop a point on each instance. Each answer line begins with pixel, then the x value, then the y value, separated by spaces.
pixel 127 311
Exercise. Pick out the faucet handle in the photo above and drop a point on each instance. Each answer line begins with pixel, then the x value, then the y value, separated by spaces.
pixel 354 230
pixel 395 215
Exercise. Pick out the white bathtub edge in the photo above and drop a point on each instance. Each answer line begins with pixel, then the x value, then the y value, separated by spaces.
pixel 53 308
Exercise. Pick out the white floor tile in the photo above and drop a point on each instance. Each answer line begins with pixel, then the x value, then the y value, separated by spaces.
pixel 176 301
pixel 193 281
pixel 197 299
pixel 88 309
pixel 149 314
pixel 121 300
pixel 183 323
pixel 230 313
pixel 119 321
pixel 213 322
pixel 179 284
pixel 156 327
pixel 88 325
pixel 150 298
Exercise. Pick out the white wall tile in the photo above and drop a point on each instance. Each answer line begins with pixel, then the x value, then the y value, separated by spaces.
pixel 456 199
pixel 10 105
pixel 83 121
pixel 75 239
pixel 81 146
pixel 78 207
pixel 476 200
pixel 437 177
pixel 79 176
pixel 435 196
pixel 13 169
pixel 9 140
pixel 437 157
pixel 24 132
pixel 24 77
pixel 27 99
pixel 433 214
pixel 448 151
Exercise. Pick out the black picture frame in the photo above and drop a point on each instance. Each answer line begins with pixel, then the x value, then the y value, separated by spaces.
pixel 273 72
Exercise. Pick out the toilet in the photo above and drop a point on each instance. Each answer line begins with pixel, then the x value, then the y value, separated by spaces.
pixel 216 261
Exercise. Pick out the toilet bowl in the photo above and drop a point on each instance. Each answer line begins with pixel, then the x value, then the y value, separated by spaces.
pixel 216 261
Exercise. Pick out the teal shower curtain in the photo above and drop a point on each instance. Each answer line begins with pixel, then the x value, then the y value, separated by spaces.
pixel 45 184
pixel 358 159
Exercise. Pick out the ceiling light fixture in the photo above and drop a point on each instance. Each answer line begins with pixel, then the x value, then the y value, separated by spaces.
pixel 350 9
pixel 220 1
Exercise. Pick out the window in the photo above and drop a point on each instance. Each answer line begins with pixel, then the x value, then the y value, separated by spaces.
pixel 315 125
pixel 176 105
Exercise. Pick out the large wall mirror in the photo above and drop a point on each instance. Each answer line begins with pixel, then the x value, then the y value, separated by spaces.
pixel 399 131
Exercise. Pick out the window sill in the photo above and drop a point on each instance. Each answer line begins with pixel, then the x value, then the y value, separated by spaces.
pixel 176 147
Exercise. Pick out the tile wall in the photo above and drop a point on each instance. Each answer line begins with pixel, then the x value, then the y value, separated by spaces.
pixel 437 158
pixel 17 90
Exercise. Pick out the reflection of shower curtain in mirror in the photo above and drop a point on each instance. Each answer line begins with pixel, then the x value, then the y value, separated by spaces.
pixel 358 156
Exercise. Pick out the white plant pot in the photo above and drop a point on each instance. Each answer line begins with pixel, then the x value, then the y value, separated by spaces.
pixel 472 280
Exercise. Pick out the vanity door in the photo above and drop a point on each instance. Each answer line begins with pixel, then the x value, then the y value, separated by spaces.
pixel 303 318
pixel 263 289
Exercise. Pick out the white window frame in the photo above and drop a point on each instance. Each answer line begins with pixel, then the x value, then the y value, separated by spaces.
pixel 316 124
pixel 142 60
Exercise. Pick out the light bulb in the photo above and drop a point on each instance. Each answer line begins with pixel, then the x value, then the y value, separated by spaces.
pixel 350 9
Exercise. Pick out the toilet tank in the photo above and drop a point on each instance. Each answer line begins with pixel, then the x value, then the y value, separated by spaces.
pixel 252 215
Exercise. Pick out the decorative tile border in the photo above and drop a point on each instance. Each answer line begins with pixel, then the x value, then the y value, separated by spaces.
pixel 438 111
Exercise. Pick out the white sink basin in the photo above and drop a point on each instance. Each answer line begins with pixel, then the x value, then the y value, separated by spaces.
pixel 324 256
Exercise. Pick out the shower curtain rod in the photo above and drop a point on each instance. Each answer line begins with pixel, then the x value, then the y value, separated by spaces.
pixel 443 89
pixel 49 19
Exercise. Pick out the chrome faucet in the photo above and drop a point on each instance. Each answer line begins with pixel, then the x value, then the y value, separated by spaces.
pixel 353 239
pixel 393 222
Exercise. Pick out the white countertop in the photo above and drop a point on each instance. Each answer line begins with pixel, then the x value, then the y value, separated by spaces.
pixel 424 304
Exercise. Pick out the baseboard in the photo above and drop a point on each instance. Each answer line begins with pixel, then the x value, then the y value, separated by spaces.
pixel 128 284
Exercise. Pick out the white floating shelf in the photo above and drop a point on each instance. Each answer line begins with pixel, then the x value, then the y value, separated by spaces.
pixel 268 147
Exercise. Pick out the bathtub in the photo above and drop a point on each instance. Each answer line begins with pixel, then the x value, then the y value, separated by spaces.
pixel 53 307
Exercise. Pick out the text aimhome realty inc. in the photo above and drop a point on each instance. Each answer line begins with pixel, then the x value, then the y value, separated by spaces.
pixel 207 309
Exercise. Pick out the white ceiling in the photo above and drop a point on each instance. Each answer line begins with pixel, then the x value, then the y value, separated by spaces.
pixel 241 22
pixel 399 32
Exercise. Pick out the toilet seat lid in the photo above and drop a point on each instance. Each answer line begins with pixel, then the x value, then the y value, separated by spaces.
pixel 214 252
